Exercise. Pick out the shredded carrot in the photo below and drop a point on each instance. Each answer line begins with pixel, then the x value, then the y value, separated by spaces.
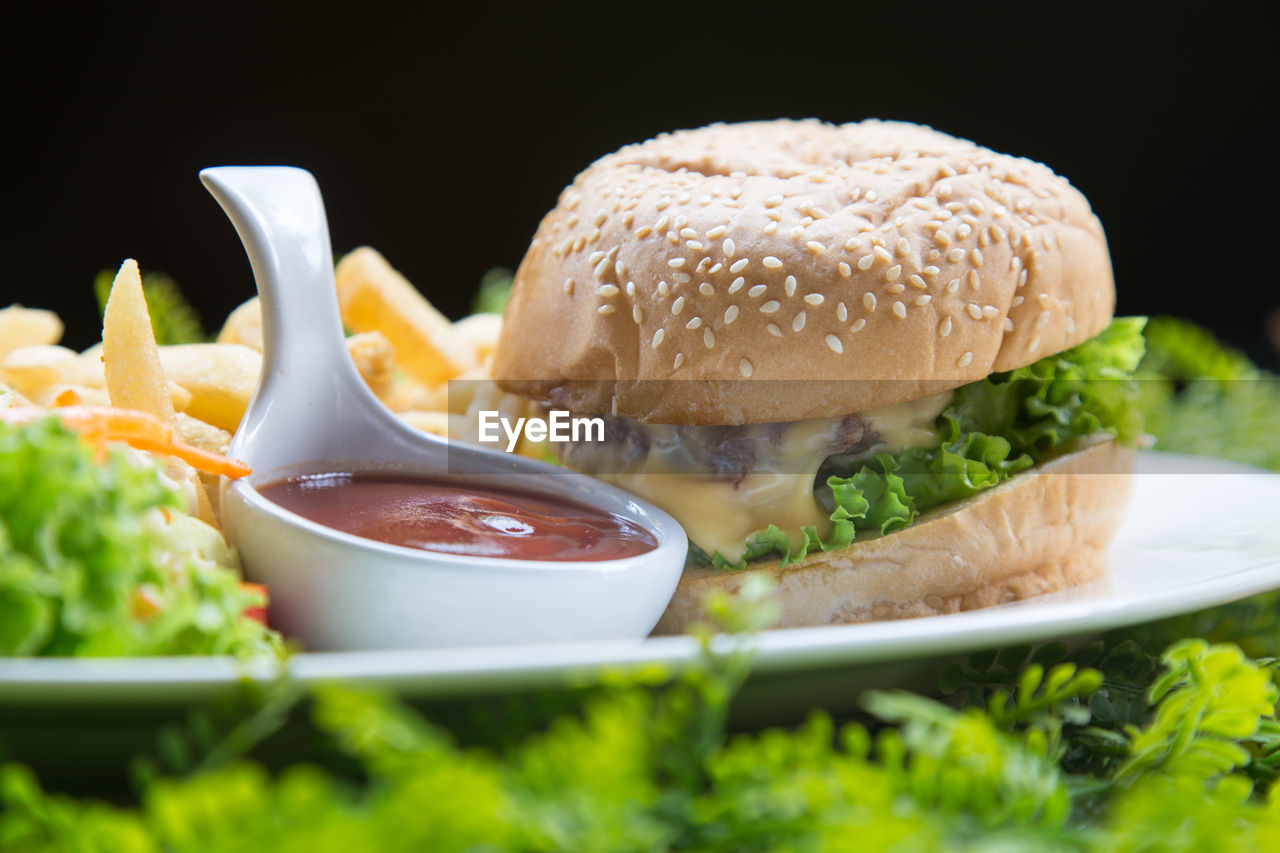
pixel 100 424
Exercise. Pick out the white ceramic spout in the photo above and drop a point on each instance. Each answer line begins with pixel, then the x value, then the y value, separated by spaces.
pixel 312 412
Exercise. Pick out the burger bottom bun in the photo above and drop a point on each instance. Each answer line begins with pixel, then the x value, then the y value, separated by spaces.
pixel 1045 529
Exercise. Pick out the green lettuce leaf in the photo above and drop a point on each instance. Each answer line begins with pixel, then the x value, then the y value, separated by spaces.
pixel 93 561
pixel 992 429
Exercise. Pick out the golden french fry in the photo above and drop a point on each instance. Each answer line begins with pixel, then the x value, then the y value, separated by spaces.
pixel 180 397
pixel 480 332
pixel 211 439
pixel 26 327
pixel 130 358
pixel 408 394
pixel 29 369
pixel 244 326
pixel 373 355
pixel 374 297
pixel 220 377
pixel 63 394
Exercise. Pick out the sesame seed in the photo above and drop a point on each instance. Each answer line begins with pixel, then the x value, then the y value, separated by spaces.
pixel 693 244
pixel 771 262
pixel 852 243
pixel 594 257
pixel 1035 344
pixel 1008 324
pixel 657 338
pixel 834 343
pixel 637 314
pixel 842 313
pixel 815 246
pixel 708 337
pixel 601 216
pixel 924 299
pixel 681 277
pixel 900 310
pixel 688 233
pixel 976 257
pixel 664 289
pixel 643 231
pixel 770 228
pixel 845 269
pixel 964 230
pixel 953 286
pixel 737 284
pixel 974 281
pixel 678 305
pixel 1071 325
pixel 679 360
pixel 774 330
pixel 715 269
pixel 1022 278
pixel 944 328
pixel 896 288
pixel 676 263
pixel 773 201
pixel 744 367
pixel 904 245
pixel 955 255
pixel 975 310
pixel 857 325
pixel 814 298
pixel 607 290
pixel 944 189
pixel 771 306
pixel 882 253
pixel 739 265
pixel 730 314
pixel 917 281
pixel 694 323
pixel 706 289
pixel 757 290
pixel 568 286
pixel 965 359
pixel 717 232
pixel 797 323
pixel 865 262
pixel 631 288
pixel 681 220
pixel 870 196
pixel 869 300
pixel 942 238
pixel 790 285
pixel 1042 319
pixel 661 224
pixel 892 273
pixel 990 312
pixel 602 268
pixel 1018 300
pixel 594 235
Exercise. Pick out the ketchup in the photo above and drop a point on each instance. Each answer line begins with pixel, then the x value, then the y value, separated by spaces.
pixel 477 521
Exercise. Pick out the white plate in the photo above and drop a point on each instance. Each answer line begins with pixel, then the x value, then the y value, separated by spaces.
pixel 1200 532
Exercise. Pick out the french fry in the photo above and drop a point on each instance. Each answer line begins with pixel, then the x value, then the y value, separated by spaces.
pixel 26 327
pixel 408 394
pixel 63 394
pixel 374 297
pixel 244 326
pixel 131 361
pixel 220 377
pixel 210 439
pixel 30 369
pixel 480 332
pixel 373 356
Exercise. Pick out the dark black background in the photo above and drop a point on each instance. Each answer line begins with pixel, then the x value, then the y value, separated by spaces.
pixel 441 137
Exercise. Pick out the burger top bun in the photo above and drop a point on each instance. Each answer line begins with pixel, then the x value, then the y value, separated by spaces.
pixel 885 259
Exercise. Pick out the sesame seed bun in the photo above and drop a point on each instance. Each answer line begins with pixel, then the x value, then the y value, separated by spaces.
pixel 1044 530
pixel 886 253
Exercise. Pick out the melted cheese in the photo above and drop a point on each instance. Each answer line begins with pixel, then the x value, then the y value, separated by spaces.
pixel 720 513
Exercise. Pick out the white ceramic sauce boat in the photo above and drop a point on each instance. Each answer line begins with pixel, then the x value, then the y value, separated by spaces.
pixel 312 413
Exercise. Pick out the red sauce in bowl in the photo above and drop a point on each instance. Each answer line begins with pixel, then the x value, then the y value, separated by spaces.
pixel 476 521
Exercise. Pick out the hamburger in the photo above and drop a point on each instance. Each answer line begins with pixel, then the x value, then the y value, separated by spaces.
pixel 872 360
